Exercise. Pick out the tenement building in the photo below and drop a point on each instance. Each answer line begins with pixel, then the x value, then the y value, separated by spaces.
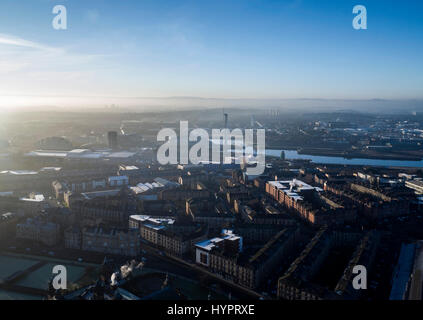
pixel 311 203
pixel 125 242
pixel 8 223
pixel 214 213
pixel 167 234
pixel 295 283
pixel 227 257
pixel 300 281
pixel 374 202
pixel 262 214
pixel 111 211
pixel 37 230
pixel 364 255
pixel 77 185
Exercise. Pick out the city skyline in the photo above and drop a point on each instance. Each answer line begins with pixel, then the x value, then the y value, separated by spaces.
pixel 234 53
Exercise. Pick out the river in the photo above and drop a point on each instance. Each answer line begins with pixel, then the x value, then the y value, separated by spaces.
pixel 293 154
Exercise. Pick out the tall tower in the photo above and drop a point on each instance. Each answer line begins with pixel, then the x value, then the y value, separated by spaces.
pixel 226 120
pixel 112 139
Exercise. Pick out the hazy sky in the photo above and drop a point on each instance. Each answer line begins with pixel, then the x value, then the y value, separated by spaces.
pixel 209 48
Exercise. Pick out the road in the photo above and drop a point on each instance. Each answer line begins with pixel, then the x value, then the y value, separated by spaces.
pixel 183 268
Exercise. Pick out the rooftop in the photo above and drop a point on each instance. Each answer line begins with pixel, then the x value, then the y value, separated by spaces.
pixel 210 244
pixel 99 194
pixel 80 154
pixel 146 218
pixel 34 198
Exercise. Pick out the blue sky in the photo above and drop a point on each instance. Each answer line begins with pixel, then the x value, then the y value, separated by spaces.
pixel 249 49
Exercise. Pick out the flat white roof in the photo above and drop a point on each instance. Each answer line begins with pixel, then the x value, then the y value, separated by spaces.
pixel 80 154
pixel 51 169
pixel 18 172
pixel 276 184
pixel 145 218
pixel 52 154
pixel 122 154
pixel 130 167
pixel 286 184
pixel 79 151
pixel 37 198
pixel 208 245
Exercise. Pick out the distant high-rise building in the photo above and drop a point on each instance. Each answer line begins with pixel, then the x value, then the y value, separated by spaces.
pixel 226 120
pixel 112 139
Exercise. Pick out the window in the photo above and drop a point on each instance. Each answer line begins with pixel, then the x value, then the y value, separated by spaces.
pixel 203 258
